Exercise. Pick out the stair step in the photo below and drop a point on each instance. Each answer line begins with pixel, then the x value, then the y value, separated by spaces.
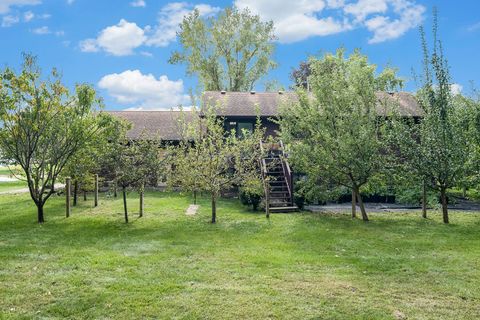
pixel 279 199
pixel 285 209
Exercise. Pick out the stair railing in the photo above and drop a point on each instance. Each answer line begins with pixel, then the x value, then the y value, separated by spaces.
pixel 287 172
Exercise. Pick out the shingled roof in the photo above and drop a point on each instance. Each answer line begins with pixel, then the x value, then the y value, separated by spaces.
pixel 268 103
pixel 163 125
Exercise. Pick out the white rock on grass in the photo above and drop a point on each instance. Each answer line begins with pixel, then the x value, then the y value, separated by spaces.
pixel 192 210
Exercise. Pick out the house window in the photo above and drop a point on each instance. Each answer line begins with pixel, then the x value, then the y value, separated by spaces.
pixel 244 126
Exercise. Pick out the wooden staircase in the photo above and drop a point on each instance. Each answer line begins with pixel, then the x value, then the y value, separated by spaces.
pixel 277 180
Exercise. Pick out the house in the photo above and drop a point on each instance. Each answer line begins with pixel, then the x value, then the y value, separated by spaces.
pixel 240 111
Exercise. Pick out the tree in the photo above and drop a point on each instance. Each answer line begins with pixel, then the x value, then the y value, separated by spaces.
pixel 96 155
pixel 439 147
pixel 300 75
pixel 228 52
pixel 334 132
pixel 43 126
pixel 215 159
pixel 135 162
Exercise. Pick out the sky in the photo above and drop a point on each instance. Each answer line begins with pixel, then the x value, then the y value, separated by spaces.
pixel 122 47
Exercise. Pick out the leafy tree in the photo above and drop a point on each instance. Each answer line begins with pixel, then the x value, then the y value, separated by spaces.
pixel 215 159
pixel 300 75
pixel 334 132
pixel 135 162
pixel 438 149
pixel 228 52
pixel 43 126
pixel 96 155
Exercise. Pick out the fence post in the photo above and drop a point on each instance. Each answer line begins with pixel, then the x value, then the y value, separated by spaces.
pixel 96 190
pixel 68 186
pixel 267 200
pixel 142 195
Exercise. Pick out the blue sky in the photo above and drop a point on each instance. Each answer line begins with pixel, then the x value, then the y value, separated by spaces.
pixel 122 47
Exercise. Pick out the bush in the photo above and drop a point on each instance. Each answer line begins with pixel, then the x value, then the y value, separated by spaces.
pixel 299 200
pixel 250 198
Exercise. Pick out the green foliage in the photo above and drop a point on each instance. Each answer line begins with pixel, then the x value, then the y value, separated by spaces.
pixel 213 160
pixel 439 149
pixel 43 125
pixel 250 198
pixel 228 52
pixel 97 152
pixel 136 161
pixel 333 133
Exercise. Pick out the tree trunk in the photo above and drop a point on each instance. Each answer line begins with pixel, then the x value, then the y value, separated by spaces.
pixel 464 192
pixel 124 191
pixel 424 200
pixel 214 208
pixel 360 203
pixel 68 186
pixel 443 197
pixel 142 194
pixel 354 204
pixel 195 197
pixel 40 217
pixel 114 189
pixel 75 193
pixel 84 195
pixel 96 191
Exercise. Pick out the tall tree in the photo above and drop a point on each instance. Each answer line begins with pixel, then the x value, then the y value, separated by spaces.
pixel 228 52
pixel 334 133
pixel 438 149
pixel 43 126
pixel 215 159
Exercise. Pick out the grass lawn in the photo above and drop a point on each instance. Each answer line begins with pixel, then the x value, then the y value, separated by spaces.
pixel 297 266
pixel 4 171
pixel 12 185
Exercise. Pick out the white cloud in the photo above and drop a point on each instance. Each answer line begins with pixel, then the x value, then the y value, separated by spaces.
pixel 118 40
pixel 27 16
pixel 144 90
pixel 89 45
pixel 474 27
pixel 138 3
pixel 363 8
pixel 146 54
pixel 123 38
pixel 298 20
pixel 5 5
pixel 8 21
pixel 456 88
pixel 169 19
pixel 42 30
pixel 384 28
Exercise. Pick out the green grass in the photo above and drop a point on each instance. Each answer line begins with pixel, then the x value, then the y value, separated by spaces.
pixel 12 185
pixel 295 266
pixel 4 171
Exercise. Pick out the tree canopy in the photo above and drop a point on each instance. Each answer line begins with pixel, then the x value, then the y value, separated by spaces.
pixel 213 160
pixel 43 125
pixel 231 51
pixel 334 133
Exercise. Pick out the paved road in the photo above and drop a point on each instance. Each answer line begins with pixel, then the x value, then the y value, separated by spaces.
pixel 25 190
pixel 459 204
